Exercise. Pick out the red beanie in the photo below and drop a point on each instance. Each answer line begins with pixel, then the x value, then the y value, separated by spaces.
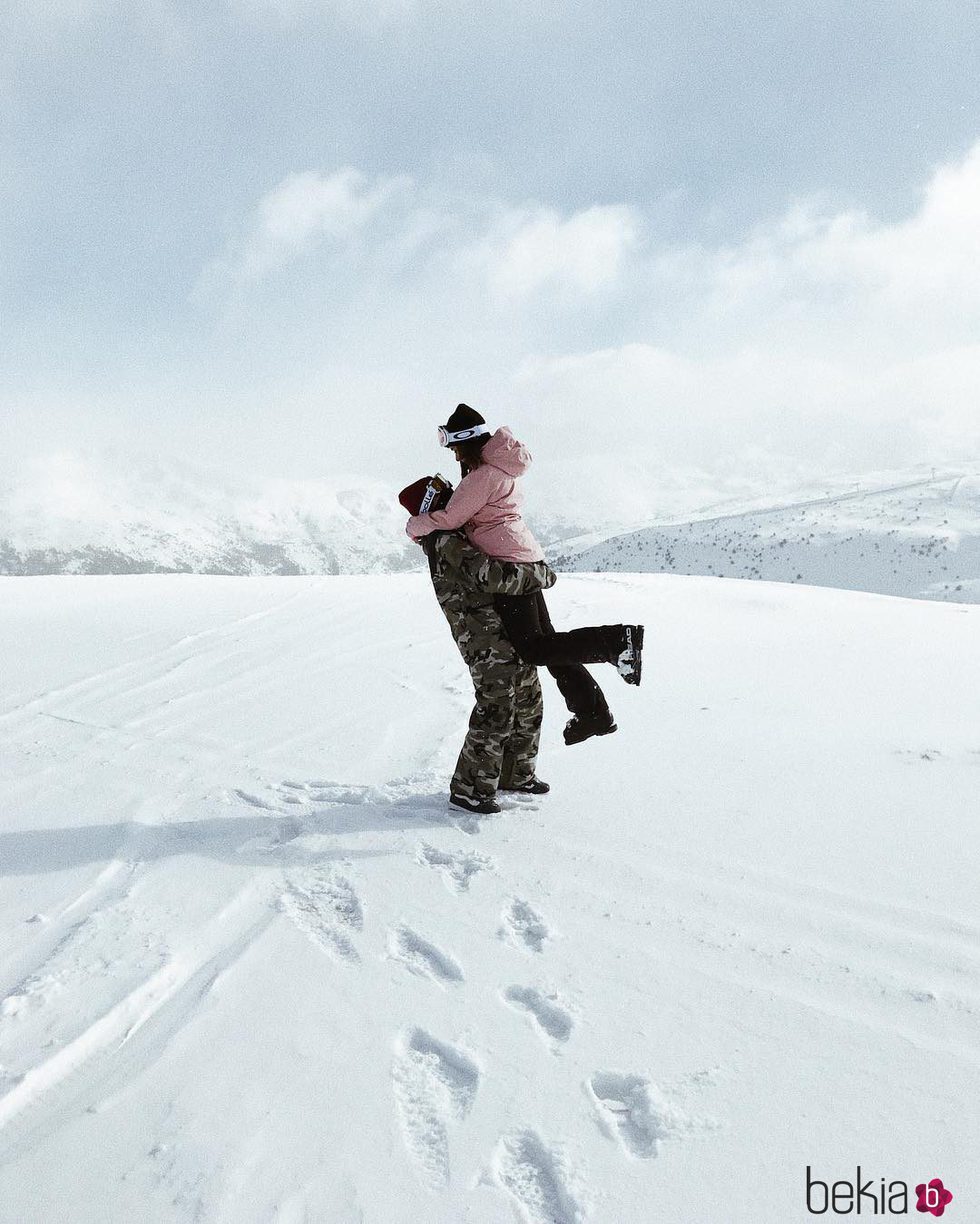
pixel 411 498
pixel 429 493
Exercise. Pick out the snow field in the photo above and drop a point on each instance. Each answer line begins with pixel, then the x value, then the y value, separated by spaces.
pixel 250 969
pixel 916 538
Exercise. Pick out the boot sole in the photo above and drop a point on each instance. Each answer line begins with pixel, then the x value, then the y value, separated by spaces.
pixel 634 676
pixel 462 807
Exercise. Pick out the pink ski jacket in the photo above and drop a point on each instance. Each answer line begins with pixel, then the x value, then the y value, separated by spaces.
pixel 487 505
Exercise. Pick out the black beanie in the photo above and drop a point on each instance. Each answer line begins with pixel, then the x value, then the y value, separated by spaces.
pixel 464 417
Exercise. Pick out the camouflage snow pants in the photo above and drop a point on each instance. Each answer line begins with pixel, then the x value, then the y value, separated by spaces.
pixel 501 744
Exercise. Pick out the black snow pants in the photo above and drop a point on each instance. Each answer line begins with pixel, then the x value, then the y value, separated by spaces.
pixel 528 626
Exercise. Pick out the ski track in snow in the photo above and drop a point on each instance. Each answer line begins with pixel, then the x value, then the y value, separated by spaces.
pixel 116 1046
pixel 146 671
pixel 536 1177
pixel 111 885
pixel 112 881
pixel 435 1085
pixel 548 1017
pixel 325 907
pixel 423 958
pixel 919 957
pixel 96 958
pixel 878 956
pixel 524 927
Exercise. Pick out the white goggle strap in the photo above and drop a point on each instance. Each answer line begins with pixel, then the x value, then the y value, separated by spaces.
pixel 431 493
pixel 461 435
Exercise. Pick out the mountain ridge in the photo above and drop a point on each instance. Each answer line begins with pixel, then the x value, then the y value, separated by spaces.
pixel 914 532
pixel 918 538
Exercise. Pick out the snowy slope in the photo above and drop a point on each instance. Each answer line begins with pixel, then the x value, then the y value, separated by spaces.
pixel 918 537
pixel 250 972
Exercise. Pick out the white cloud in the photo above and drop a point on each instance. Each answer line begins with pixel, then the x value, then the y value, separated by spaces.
pixel 816 275
pixel 836 338
pixel 527 250
pixel 638 398
pixel 308 209
pixel 510 253
pixel 824 412
pixel 828 339
pixel 848 278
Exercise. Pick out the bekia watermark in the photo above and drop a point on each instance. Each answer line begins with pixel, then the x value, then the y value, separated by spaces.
pixel 864 1196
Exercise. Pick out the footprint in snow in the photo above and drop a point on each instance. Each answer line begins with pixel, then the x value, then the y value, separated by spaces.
pixel 546 1014
pixel 13 1004
pixel 256 801
pixel 339 793
pixel 631 1109
pixel 435 1084
pixel 523 926
pixel 457 869
pixel 420 792
pixel 325 907
pixel 464 822
pixel 422 957
pixel 536 1177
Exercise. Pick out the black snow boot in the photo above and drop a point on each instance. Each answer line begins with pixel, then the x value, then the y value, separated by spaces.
pixel 534 787
pixel 584 726
pixel 627 653
pixel 480 807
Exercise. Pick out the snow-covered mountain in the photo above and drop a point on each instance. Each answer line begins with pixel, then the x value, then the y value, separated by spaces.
pixel 66 516
pixel 908 533
pixel 915 534
pixel 251 971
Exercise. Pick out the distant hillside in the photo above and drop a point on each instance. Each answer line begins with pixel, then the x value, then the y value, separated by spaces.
pixel 66 517
pixel 126 515
pixel 911 533
pixel 133 515
pixel 918 537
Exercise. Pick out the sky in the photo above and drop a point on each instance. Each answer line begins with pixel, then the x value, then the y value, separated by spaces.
pixel 286 237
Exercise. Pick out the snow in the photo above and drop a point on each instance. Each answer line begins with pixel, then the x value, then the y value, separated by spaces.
pixel 914 532
pixel 126 514
pixel 251 971
pixel 919 536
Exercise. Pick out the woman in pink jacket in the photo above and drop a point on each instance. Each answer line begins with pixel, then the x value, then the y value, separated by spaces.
pixel 486 505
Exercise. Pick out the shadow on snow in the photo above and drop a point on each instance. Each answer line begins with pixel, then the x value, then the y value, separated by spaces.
pixel 254 839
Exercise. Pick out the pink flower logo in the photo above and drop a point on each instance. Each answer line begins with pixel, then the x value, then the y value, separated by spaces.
pixel 933 1197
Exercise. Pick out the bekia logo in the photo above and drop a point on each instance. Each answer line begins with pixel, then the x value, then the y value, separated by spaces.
pixel 863 1196
pixel 933 1197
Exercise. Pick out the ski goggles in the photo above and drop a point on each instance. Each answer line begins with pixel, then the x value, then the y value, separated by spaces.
pixel 454 437
pixel 436 486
